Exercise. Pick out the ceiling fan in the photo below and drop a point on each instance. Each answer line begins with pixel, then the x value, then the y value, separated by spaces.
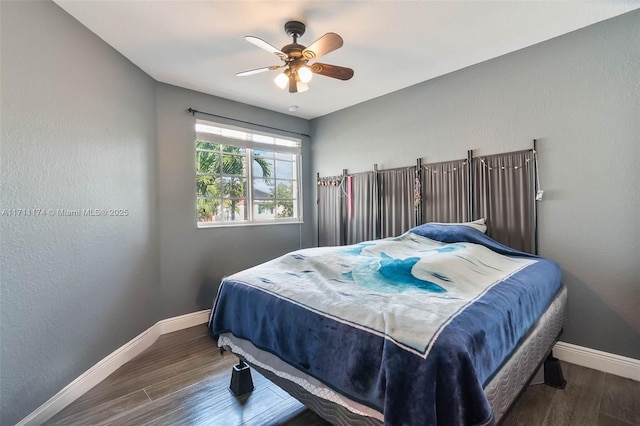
pixel 295 58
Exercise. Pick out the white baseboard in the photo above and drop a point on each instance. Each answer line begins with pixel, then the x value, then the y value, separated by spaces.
pixel 598 360
pixel 111 363
pixel 170 325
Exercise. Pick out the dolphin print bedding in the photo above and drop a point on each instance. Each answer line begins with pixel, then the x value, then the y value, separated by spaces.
pixel 412 327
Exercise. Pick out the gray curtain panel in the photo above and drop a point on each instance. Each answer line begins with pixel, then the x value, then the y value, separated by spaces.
pixel 362 224
pixel 504 194
pixel 330 199
pixel 397 211
pixel 444 191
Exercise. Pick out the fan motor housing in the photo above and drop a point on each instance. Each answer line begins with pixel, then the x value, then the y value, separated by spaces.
pixel 294 29
pixel 293 50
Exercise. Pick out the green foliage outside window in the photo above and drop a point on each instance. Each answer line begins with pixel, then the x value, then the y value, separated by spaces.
pixel 221 182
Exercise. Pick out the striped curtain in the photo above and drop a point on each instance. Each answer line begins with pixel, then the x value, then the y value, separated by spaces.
pixel 330 198
pixel 504 194
pixel 361 207
pixel 397 212
pixel 444 191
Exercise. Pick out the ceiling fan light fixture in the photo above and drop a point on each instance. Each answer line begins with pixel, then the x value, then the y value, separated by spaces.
pixel 282 80
pixel 305 74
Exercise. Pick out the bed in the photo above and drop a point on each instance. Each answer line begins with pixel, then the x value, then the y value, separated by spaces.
pixel 441 325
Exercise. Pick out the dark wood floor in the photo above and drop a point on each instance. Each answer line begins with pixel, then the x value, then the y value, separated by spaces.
pixel 182 380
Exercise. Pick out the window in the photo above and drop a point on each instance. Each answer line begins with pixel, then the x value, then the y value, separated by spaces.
pixel 245 177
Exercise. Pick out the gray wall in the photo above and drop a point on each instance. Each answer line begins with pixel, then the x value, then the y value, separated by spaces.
pixel 579 94
pixel 193 260
pixel 78 132
pixel 83 128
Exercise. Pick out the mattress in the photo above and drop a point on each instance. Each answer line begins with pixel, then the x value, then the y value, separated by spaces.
pixel 502 390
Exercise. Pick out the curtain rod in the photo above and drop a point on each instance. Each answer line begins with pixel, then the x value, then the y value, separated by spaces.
pixel 505 153
pixel 195 111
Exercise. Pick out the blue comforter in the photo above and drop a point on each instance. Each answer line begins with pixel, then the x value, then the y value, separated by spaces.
pixel 412 326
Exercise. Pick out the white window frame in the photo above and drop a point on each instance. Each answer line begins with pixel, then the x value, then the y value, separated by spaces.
pixel 250 140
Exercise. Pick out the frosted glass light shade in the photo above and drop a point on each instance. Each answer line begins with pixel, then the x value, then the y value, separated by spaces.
pixel 305 74
pixel 281 80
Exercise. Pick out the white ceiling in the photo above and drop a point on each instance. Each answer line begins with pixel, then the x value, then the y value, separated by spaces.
pixel 200 45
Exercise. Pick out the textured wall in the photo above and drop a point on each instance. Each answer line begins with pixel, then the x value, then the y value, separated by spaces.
pixel 83 128
pixel 579 94
pixel 78 132
pixel 193 260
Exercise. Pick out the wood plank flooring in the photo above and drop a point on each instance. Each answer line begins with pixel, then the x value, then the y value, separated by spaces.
pixel 182 380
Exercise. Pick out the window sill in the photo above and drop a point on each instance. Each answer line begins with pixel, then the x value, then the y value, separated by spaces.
pixel 205 225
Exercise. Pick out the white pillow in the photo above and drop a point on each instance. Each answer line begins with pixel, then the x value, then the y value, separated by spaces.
pixel 476 224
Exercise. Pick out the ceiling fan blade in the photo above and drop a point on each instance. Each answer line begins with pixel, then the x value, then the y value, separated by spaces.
pixel 258 70
pixel 266 46
pixel 325 44
pixel 333 71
